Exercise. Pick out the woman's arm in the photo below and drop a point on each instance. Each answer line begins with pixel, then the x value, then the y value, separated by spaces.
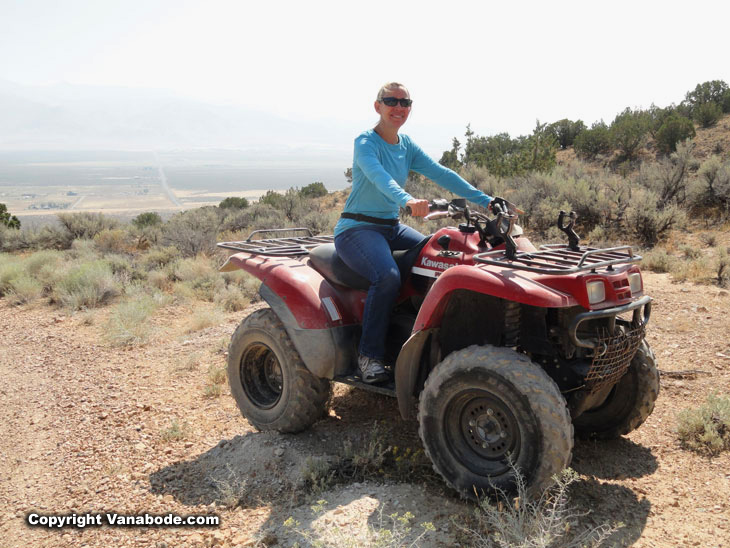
pixel 425 165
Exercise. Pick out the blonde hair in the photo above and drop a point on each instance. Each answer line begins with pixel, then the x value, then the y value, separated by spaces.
pixel 390 86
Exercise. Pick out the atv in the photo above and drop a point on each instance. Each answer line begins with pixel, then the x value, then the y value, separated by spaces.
pixel 500 349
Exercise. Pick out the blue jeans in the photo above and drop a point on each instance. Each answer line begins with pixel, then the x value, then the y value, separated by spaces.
pixel 367 251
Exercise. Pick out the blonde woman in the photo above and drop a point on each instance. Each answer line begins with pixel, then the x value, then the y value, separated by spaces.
pixel 368 229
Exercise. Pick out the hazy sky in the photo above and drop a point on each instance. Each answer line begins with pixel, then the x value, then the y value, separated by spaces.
pixel 498 65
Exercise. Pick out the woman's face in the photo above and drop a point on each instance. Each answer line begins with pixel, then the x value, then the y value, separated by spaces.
pixel 395 116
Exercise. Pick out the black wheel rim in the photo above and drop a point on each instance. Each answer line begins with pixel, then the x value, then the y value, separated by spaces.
pixel 261 376
pixel 482 432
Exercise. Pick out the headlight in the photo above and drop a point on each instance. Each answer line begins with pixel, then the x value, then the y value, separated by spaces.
pixel 596 291
pixel 635 283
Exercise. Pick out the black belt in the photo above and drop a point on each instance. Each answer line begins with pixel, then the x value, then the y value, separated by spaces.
pixel 369 219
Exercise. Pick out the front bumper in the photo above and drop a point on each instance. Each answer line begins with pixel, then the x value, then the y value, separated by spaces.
pixel 639 319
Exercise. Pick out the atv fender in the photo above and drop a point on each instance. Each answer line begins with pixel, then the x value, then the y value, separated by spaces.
pixel 312 311
pixel 504 283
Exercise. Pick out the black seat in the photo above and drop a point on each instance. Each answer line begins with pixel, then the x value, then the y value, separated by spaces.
pixel 325 260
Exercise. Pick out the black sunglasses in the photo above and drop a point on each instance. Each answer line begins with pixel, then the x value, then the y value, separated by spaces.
pixel 392 101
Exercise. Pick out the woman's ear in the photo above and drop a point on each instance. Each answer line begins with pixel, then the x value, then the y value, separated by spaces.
pixel 377 107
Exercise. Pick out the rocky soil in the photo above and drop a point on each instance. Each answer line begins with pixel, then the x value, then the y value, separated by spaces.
pixel 91 428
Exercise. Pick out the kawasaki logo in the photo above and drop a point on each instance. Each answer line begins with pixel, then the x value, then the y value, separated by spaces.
pixel 425 261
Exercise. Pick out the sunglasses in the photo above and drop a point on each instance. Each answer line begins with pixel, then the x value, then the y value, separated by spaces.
pixel 392 101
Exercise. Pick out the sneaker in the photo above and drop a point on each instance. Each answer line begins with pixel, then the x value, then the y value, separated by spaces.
pixel 371 370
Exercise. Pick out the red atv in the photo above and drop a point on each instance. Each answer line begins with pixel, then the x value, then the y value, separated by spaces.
pixel 502 348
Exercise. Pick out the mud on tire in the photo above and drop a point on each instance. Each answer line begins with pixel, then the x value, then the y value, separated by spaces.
pixel 270 383
pixel 628 405
pixel 485 406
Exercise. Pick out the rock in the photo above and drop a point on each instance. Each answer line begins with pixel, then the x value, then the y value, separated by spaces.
pixel 278 451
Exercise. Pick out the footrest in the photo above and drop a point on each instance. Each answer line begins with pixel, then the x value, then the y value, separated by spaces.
pixel 388 389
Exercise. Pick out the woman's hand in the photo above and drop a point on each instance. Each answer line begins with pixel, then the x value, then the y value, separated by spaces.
pixel 418 208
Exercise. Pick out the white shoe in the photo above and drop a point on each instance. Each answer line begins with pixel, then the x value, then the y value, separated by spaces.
pixel 371 370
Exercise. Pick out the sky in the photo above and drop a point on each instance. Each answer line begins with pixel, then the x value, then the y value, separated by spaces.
pixel 498 66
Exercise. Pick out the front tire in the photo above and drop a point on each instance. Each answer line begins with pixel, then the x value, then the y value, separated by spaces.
pixel 271 385
pixel 628 404
pixel 486 411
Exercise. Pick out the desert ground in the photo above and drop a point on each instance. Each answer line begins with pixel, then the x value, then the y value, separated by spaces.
pixel 91 428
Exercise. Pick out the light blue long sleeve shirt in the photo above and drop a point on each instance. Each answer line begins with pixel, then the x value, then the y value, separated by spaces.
pixel 380 170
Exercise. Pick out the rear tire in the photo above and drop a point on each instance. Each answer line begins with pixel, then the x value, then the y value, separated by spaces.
pixel 485 406
pixel 271 385
pixel 628 405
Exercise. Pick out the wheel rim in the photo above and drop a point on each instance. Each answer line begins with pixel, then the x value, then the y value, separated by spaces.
pixel 482 432
pixel 261 376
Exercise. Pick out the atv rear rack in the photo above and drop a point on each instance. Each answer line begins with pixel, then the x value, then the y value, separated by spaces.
pixel 559 259
pixel 293 246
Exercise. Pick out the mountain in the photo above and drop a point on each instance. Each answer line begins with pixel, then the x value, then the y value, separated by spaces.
pixel 75 117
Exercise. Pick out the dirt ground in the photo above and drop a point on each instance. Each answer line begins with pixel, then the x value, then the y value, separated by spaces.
pixel 86 428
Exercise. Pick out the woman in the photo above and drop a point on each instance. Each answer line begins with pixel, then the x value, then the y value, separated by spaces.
pixel 368 229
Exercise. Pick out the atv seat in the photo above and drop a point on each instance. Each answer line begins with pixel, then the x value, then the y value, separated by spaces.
pixel 324 259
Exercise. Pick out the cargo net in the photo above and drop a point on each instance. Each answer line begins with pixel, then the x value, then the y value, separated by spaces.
pixel 613 356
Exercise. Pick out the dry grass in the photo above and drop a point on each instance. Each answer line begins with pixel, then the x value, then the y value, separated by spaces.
pixel 202 318
pixel 175 431
pixel 128 323
pixel 522 522
pixel 706 429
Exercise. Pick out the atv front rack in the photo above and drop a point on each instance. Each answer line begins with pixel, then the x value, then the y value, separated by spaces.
pixel 293 246
pixel 561 260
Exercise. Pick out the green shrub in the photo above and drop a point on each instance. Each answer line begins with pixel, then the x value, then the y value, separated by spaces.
pixel 706 429
pixel 628 132
pixel 725 104
pixel 314 190
pixel 46 266
pixel 24 289
pixel 128 322
pixel 231 299
pixel 259 216
pixel 124 268
pixel 649 220
pixel 87 285
pixel 200 275
pixel 86 225
pixel 695 270
pixel 159 279
pixel 10 269
pixel 149 218
pixel 565 131
pixel 675 129
pixel 658 260
pixel 707 114
pixel 49 237
pixel 714 177
pixel 193 231
pixel 233 202
pixel 111 240
pixel 712 91
pixel 506 157
pixel 8 220
pixel 83 249
pixel 594 141
pixel 246 282
pixel 668 177
pixel 158 257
